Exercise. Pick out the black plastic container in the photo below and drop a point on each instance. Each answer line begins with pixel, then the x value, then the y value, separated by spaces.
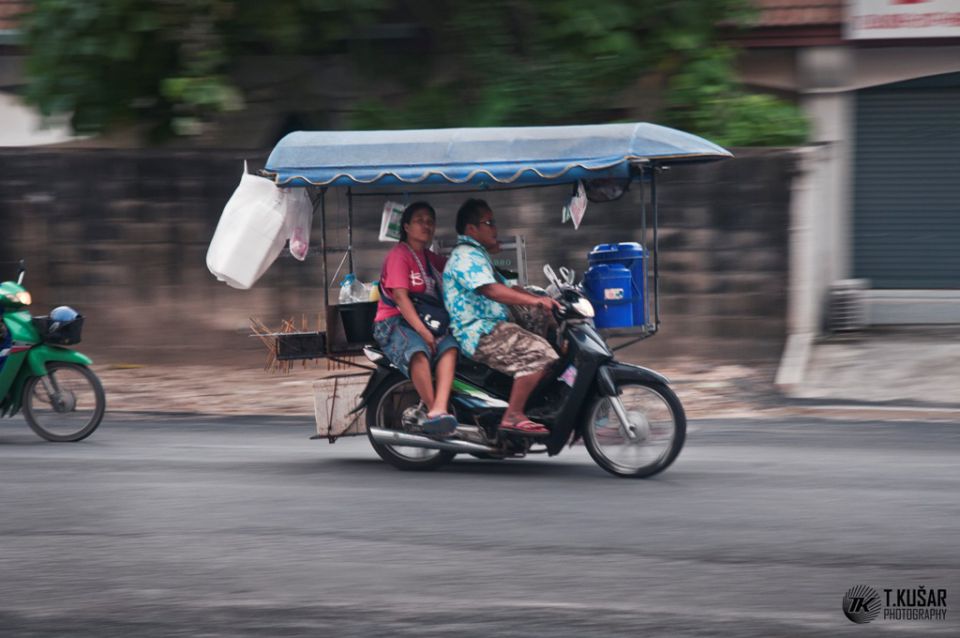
pixel 357 321
pixel 61 333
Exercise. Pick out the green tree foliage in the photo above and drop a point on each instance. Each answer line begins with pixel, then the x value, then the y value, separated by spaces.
pixel 543 61
pixel 704 98
pixel 170 63
pixel 109 62
pixel 165 64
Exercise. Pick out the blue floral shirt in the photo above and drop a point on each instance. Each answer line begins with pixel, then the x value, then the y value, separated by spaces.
pixel 471 314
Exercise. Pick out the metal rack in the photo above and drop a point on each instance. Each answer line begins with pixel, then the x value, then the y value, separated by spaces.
pixel 643 172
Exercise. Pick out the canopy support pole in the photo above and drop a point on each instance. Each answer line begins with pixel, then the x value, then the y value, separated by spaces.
pixel 643 240
pixel 656 247
pixel 350 228
pixel 323 247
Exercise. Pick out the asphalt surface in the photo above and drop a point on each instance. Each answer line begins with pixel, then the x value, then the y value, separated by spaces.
pixel 190 526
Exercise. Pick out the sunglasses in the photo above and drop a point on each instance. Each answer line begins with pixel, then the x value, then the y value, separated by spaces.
pixel 489 222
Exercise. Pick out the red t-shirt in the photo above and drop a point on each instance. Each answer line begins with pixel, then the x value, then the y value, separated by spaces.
pixel 400 270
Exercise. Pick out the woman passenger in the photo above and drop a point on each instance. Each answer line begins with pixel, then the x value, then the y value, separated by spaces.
pixel 410 267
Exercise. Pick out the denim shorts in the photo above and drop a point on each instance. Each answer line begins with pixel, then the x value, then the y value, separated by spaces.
pixel 400 342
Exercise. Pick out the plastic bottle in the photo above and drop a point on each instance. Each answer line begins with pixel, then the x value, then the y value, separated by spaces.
pixel 351 290
pixel 358 292
pixel 345 289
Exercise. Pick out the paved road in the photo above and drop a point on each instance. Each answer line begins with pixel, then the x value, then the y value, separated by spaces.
pixel 242 527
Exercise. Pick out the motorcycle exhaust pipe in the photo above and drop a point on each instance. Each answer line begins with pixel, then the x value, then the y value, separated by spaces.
pixel 393 437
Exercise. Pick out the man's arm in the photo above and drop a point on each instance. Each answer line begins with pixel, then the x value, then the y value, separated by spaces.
pixel 515 297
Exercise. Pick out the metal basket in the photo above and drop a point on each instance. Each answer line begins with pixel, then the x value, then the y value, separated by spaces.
pixel 334 398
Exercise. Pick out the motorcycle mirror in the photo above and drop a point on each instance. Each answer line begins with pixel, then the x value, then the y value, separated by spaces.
pixel 21 271
pixel 551 276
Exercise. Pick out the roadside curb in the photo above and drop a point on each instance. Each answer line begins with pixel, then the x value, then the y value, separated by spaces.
pixel 874 412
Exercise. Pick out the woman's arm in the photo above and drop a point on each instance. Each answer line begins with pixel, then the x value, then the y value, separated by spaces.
pixel 401 296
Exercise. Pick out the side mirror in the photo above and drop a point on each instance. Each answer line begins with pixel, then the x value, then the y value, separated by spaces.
pixel 22 270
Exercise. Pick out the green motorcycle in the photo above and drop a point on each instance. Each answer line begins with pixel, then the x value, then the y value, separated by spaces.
pixel 61 398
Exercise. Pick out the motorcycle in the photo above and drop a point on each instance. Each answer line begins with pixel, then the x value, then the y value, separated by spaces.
pixel 629 419
pixel 61 398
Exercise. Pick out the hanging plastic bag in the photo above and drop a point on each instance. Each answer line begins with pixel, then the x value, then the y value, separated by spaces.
pixel 251 232
pixel 299 215
pixel 577 207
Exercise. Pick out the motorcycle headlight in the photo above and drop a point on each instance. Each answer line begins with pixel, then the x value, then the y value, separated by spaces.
pixel 583 307
pixel 22 297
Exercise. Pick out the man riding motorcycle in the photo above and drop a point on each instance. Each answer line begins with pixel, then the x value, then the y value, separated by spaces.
pixel 477 299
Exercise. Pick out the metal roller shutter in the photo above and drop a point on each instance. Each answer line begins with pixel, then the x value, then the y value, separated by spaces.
pixel 906 231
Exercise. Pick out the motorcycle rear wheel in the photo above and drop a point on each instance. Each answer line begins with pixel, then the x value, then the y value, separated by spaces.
pixel 384 411
pixel 73 412
pixel 659 430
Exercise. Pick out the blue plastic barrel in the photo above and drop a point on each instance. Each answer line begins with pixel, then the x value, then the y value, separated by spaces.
pixel 629 254
pixel 609 289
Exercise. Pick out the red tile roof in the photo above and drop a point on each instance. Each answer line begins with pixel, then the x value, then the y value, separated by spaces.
pixel 9 10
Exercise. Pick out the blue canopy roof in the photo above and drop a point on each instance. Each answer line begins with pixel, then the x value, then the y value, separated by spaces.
pixel 480 156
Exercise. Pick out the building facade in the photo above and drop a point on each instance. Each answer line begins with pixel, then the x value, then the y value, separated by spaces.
pixel 879 196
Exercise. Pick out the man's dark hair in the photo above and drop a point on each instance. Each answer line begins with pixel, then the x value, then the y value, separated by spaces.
pixel 407 215
pixel 470 213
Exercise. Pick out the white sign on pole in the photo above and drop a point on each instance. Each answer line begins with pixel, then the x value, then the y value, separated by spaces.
pixel 390 221
pixel 890 19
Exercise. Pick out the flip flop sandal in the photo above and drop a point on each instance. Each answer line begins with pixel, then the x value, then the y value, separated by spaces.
pixel 442 424
pixel 525 427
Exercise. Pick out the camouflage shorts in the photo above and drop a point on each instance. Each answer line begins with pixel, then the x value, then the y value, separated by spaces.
pixel 512 350
pixel 536 320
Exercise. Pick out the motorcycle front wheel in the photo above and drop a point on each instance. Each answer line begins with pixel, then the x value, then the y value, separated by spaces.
pixel 385 411
pixel 651 440
pixel 71 409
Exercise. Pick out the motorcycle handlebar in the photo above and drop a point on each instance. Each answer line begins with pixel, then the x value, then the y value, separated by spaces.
pixel 565 299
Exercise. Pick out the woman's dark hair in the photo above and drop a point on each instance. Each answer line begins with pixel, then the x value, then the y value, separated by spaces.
pixel 470 213
pixel 408 215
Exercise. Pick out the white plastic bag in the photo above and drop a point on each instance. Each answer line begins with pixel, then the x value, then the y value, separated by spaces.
pixel 577 207
pixel 299 215
pixel 251 232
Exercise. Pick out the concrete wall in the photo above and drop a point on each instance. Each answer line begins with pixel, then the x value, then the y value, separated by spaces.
pixel 122 236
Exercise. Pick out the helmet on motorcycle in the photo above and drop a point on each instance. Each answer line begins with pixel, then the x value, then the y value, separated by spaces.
pixel 63 314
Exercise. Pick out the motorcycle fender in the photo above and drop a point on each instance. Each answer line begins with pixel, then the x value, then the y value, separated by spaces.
pixel 610 374
pixel 38 357
pixel 379 376
pixel 17 371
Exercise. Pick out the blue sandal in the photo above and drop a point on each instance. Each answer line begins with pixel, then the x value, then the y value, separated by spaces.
pixel 442 425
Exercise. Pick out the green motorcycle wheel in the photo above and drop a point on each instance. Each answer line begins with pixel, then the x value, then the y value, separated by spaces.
pixel 72 411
